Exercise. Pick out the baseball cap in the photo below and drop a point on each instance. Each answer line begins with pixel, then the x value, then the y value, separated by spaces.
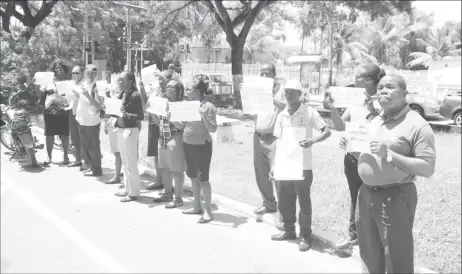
pixel 91 68
pixel 293 84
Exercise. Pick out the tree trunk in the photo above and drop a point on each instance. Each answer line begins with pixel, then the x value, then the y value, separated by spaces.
pixel 303 40
pixel 237 53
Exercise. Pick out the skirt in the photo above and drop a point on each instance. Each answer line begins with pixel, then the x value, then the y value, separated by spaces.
pixel 56 124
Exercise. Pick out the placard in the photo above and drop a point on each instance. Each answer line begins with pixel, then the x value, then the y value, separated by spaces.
pixel 288 161
pixel 359 137
pixel 64 87
pixel 113 106
pixel 257 95
pixel 187 111
pixel 44 78
pixel 345 97
pixel 148 75
pixel 157 105
pixel 102 87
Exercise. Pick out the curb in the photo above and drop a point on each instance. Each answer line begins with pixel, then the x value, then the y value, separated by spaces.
pixel 270 219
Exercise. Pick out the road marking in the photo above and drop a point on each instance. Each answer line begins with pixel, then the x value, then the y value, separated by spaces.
pixel 94 252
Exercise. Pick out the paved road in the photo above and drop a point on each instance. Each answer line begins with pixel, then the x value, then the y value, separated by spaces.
pixel 56 220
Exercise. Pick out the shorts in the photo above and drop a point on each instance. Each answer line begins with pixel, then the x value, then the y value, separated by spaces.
pixel 113 138
pixel 172 157
pixel 198 159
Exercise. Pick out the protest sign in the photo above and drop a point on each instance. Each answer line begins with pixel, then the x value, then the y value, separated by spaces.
pixel 113 106
pixel 148 74
pixel 157 105
pixel 257 94
pixel 64 87
pixel 345 97
pixel 184 111
pixel 102 87
pixel 288 161
pixel 44 78
pixel 359 137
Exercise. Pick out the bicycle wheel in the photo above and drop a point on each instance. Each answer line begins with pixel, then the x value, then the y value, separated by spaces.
pixel 6 139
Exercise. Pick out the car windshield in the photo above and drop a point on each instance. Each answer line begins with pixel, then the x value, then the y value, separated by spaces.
pixel 220 78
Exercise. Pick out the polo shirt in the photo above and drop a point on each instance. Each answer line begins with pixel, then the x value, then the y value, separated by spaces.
pixel 87 114
pixel 405 133
pixel 264 123
pixel 305 117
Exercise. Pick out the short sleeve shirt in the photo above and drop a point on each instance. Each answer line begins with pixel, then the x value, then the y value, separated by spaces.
pixel 305 117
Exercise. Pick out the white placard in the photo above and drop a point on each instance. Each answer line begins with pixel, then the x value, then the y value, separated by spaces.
pixel 148 75
pixel 64 87
pixel 186 111
pixel 257 95
pixel 113 106
pixel 288 160
pixel 359 137
pixel 102 87
pixel 157 105
pixel 345 97
pixel 44 78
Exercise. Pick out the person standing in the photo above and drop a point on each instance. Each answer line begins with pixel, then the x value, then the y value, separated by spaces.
pixel 55 116
pixel 298 115
pixel 402 148
pixel 77 77
pixel 128 134
pixel 89 120
pixel 264 143
pixel 198 151
pixel 367 77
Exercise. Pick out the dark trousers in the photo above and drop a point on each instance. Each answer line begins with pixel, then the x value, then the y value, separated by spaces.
pixel 354 183
pixel 91 149
pixel 288 191
pixel 386 218
pixel 263 155
pixel 75 136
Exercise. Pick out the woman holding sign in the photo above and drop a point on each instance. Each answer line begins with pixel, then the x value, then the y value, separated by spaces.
pixel 367 77
pixel 56 116
pixel 171 156
pixel 198 151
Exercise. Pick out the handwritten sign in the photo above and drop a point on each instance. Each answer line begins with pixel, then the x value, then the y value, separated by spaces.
pixel 113 106
pixel 288 161
pixel 157 105
pixel 148 75
pixel 44 78
pixel 346 97
pixel 184 111
pixel 359 137
pixel 257 94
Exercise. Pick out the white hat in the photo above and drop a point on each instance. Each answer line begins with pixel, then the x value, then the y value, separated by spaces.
pixel 293 84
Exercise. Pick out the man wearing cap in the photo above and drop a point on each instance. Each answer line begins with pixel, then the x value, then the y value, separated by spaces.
pixel 402 148
pixel 88 118
pixel 297 115
pixel 264 142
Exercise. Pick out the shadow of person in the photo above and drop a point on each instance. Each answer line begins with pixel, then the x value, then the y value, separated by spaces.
pixel 225 218
pixel 29 169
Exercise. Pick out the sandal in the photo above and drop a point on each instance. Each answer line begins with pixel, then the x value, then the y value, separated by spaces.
pixel 192 211
pixel 202 220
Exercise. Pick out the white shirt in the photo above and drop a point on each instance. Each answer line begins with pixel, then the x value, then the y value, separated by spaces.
pixel 305 117
pixel 87 114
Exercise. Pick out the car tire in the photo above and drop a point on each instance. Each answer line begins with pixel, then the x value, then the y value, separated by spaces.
pixel 418 109
pixel 457 118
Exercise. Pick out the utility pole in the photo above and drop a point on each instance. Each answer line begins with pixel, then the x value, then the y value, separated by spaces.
pixel 84 52
pixel 93 40
pixel 330 49
pixel 129 41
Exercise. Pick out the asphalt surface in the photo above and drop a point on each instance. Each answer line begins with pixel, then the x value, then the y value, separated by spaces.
pixel 55 220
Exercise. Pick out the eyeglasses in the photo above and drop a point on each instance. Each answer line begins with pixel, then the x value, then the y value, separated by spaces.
pixel 75 73
pixel 121 80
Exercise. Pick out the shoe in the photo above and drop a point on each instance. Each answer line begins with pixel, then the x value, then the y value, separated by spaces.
pixel 155 186
pixel 284 236
pixel 304 245
pixel 84 167
pixel 90 173
pixel 192 211
pixel 121 185
pixel 112 181
pixel 128 199
pixel 263 210
pixel 121 194
pixel 175 203
pixel 74 164
pixel 347 242
pixel 202 220
pixel 65 162
pixel 165 198
pixel 47 162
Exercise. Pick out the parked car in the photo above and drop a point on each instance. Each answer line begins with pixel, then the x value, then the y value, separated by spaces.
pixel 221 87
pixel 425 104
pixel 451 108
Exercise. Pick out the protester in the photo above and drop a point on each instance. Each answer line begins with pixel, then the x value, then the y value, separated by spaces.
pixel 264 144
pixel 403 148
pixel 157 89
pixel 367 77
pixel 301 116
pixel 55 115
pixel 128 134
pixel 113 136
pixel 198 151
pixel 171 155
pixel 89 119
pixel 77 77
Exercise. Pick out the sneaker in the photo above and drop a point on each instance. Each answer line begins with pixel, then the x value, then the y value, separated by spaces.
pixel 165 198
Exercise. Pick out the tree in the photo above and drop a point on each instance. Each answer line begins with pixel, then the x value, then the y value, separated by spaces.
pixel 28 14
